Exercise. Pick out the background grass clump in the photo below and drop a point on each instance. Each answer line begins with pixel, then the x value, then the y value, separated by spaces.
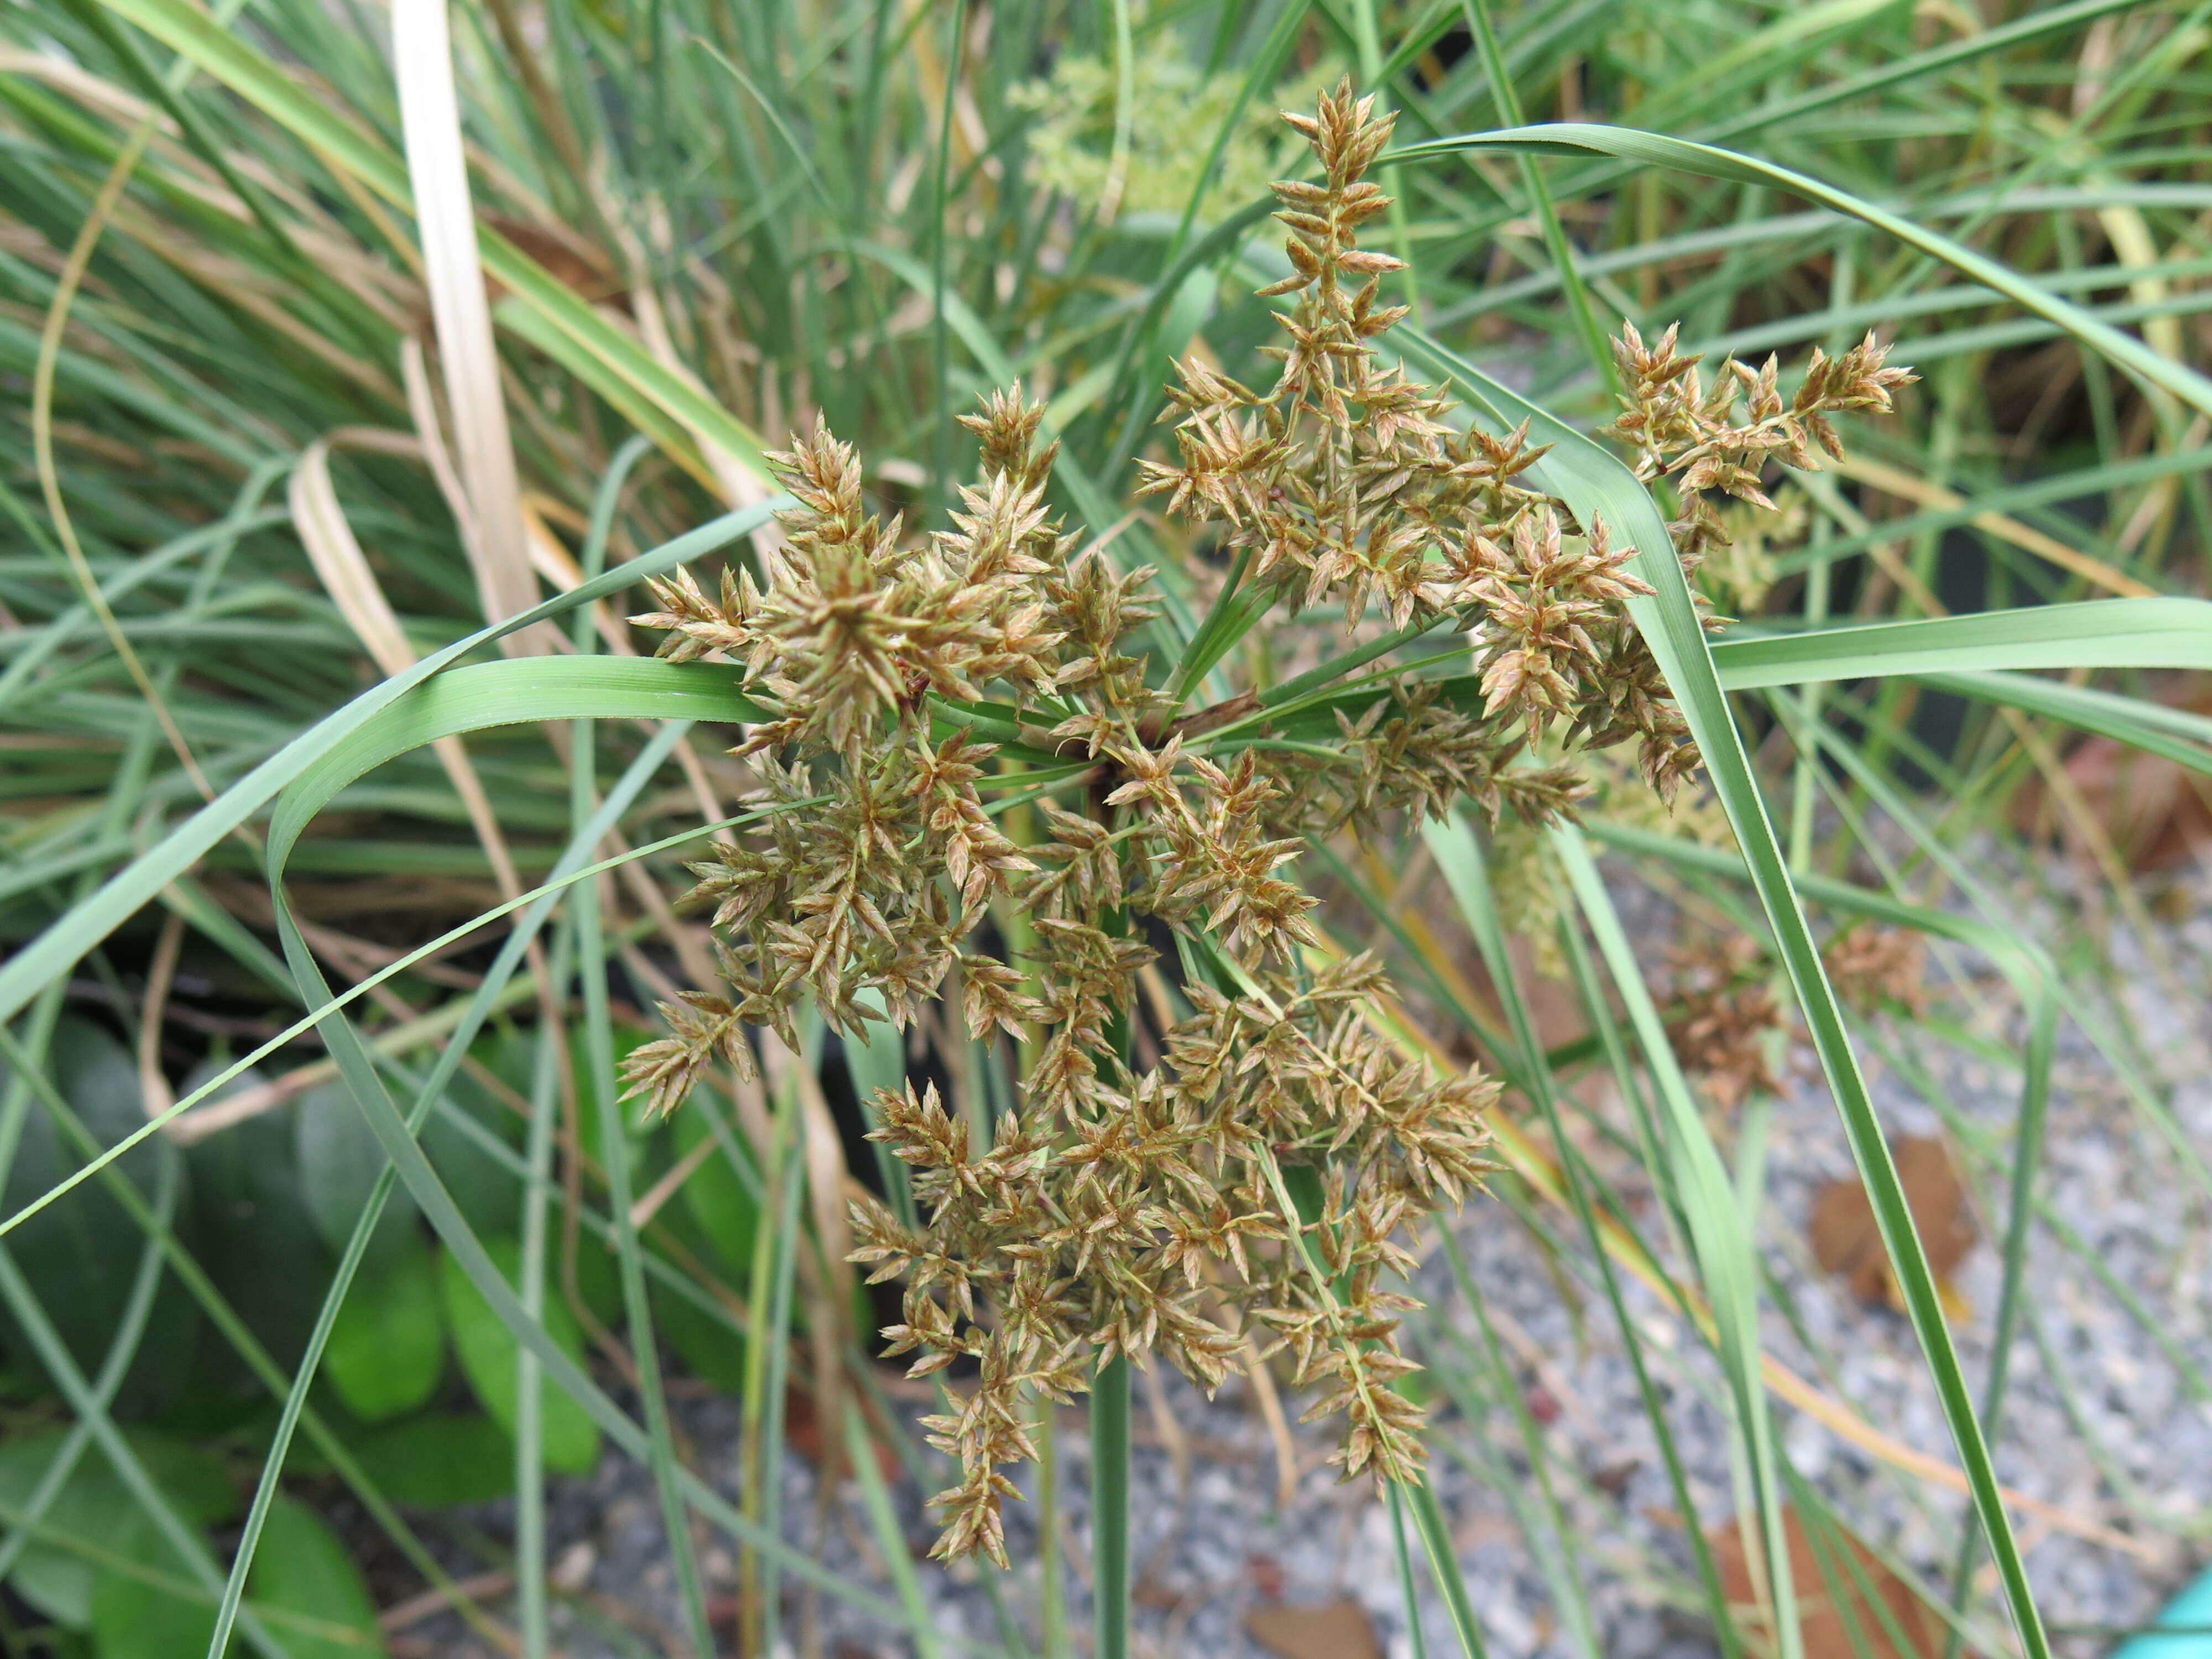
pixel 363 366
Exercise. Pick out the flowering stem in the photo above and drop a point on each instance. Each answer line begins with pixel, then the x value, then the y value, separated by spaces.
pixel 1109 1426
pixel 1314 678
pixel 940 445
pixel 1052 1592
pixel 1109 1509
pixel 760 1469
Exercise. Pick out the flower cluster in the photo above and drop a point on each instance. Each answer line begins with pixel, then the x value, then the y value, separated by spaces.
pixel 1679 428
pixel 1348 478
pixel 983 775
pixel 1134 1225
pixel 1120 1210
pixel 1724 1014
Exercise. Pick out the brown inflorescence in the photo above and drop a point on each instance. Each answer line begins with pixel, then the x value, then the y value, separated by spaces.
pixel 1256 1182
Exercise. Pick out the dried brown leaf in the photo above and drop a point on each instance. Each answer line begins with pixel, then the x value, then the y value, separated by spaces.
pixel 1863 1617
pixel 2157 812
pixel 1845 1241
pixel 1335 1630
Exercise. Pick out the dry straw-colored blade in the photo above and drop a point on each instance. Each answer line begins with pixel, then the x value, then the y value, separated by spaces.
pixel 444 217
pixel 343 570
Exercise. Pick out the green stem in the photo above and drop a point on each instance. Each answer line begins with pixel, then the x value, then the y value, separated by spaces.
pixel 2027 1155
pixel 941 438
pixel 759 1469
pixel 876 1496
pixel 1051 1594
pixel 1275 695
pixel 1406 1591
pixel 614 1158
pixel 1805 780
pixel 1368 39
pixel 1110 1509
pixel 1443 1567
pixel 529 1385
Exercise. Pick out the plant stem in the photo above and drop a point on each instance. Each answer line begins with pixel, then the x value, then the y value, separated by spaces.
pixel 941 438
pixel 2027 1155
pixel 1406 1593
pixel 1052 1598
pixel 758 1468
pixel 1110 1509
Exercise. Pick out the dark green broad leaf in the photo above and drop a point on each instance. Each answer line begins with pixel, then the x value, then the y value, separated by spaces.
pixel 431 1462
pixel 488 1351
pixel 339 1161
pixel 599 1277
pixel 486 1187
pixel 257 1241
pixel 81 1254
pixel 304 1587
pixel 58 1572
pixel 145 1603
pixel 387 1348
pixel 642 1131
pixel 708 1347
pixel 308 1590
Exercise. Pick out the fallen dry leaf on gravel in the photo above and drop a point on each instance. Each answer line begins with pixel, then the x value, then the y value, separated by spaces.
pixel 1335 1630
pixel 1845 1241
pixel 1871 1610
pixel 2157 812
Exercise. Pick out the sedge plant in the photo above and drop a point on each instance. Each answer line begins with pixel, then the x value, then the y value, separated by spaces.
pixel 199 362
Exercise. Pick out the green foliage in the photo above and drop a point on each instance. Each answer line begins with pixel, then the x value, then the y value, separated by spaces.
pixel 304 1584
pixel 338 1161
pixel 434 1460
pixel 81 1254
pixel 89 1519
pixel 723 1194
pixel 1071 141
pixel 143 1607
pixel 488 1351
pixel 304 1569
pixel 708 1345
pixel 256 1235
pixel 463 1140
pixel 387 1350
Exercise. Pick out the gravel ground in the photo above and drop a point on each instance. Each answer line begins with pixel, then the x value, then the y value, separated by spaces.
pixel 2101 1422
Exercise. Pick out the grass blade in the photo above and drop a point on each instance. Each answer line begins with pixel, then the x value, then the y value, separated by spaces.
pixel 1653 150
pixel 1429 1519
pixel 2160 633
pixel 876 1497
pixel 1720 1231
pixel 445 221
pixel 614 1158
